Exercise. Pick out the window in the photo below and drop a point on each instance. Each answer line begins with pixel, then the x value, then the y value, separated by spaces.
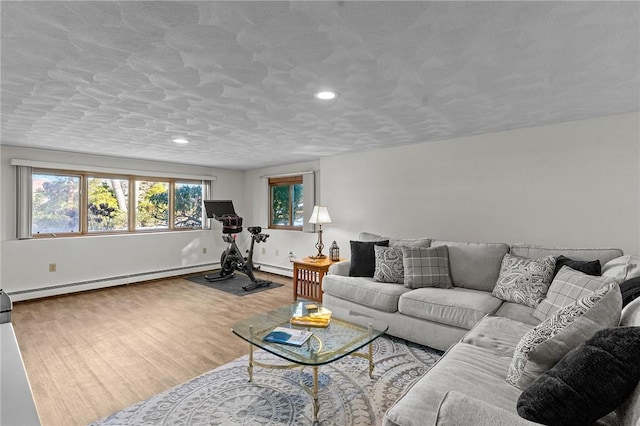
pixel 56 203
pixel 108 204
pixel 286 202
pixel 188 205
pixel 84 203
pixel 152 205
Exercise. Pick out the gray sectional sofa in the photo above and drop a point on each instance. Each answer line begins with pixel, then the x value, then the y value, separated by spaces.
pixel 478 331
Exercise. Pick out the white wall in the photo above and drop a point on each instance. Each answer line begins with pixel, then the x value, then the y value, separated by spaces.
pixel 113 259
pixel 280 242
pixel 572 184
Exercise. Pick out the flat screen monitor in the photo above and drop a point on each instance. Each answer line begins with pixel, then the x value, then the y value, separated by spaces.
pixel 218 208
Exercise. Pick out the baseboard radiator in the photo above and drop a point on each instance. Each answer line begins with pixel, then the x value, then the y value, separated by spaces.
pixel 55 290
pixel 59 289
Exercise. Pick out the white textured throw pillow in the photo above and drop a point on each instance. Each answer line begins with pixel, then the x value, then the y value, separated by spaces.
pixel 567 287
pixel 524 281
pixel 622 268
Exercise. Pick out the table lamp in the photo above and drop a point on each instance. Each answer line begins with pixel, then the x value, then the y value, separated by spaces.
pixel 319 216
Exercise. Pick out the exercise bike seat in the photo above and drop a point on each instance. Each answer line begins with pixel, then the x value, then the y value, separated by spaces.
pixel 254 230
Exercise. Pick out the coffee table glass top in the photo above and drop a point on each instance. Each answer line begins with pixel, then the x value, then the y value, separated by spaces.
pixel 342 337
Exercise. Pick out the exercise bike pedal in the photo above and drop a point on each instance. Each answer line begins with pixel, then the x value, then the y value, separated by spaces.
pixel 214 278
pixel 256 284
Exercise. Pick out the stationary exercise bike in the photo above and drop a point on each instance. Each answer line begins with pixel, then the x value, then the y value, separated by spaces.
pixel 231 260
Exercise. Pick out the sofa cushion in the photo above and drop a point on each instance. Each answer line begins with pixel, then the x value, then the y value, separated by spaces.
pixel 498 334
pixel 523 280
pixel 364 291
pixel 533 252
pixel 567 287
pixel 472 370
pixel 396 242
pixel 363 259
pixel 389 267
pixel 426 267
pixel 518 312
pixel 459 307
pixel 588 267
pixel 588 383
pixel 547 343
pixel 474 265
pixel 459 409
pixel 622 268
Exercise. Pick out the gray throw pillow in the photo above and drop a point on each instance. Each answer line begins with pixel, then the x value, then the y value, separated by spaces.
pixel 524 281
pixel 568 286
pixel 426 267
pixel 543 346
pixel 389 267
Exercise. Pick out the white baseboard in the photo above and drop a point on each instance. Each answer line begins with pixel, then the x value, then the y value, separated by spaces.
pixel 275 269
pixel 56 290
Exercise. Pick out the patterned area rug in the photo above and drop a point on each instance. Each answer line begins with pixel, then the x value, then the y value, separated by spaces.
pixel 347 395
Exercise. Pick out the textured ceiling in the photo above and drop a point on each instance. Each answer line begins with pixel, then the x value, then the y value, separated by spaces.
pixel 237 78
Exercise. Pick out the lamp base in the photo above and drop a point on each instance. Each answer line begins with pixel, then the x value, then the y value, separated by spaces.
pixel 318 256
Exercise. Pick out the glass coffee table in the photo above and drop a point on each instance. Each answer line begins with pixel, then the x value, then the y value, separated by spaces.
pixel 341 338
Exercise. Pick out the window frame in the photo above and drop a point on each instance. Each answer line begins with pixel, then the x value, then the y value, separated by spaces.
pixel 85 175
pixel 289 181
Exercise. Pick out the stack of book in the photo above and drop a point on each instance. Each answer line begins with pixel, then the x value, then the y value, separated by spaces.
pixel 312 316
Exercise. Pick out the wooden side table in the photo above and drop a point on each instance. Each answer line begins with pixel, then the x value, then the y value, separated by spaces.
pixel 307 277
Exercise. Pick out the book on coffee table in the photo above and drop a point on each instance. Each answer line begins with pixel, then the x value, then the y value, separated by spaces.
pixel 288 336
pixel 317 317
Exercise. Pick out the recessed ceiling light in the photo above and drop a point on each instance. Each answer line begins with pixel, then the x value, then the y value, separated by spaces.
pixel 325 95
pixel 181 141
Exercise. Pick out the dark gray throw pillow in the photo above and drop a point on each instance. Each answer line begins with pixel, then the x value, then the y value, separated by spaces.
pixel 363 258
pixel 589 268
pixel 588 383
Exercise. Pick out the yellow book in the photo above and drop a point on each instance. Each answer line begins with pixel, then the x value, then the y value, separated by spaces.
pixel 321 317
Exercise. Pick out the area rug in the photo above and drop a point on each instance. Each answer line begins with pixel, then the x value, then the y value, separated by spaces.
pixel 232 285
pixel 275 397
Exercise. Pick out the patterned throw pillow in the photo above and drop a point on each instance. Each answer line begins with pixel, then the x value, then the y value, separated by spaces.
pixel 426 267
pixel 567 287
pixel 524 281
pixel 543 346
pixel 389 267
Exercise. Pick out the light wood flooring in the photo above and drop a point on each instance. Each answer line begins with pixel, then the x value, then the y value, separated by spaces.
pixel 91 354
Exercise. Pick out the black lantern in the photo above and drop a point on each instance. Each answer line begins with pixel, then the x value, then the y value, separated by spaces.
pixel 334 252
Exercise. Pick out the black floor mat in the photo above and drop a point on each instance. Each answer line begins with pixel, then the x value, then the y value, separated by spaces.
pixel 232 285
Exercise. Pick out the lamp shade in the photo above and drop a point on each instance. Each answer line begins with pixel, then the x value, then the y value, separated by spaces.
pixel 320 215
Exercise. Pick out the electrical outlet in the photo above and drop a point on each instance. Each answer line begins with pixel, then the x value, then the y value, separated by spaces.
pixel 277 252
pixel 262 250
pixel 204 250
pixel 52 267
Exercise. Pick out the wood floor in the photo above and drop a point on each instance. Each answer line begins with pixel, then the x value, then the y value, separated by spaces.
pixel 90 354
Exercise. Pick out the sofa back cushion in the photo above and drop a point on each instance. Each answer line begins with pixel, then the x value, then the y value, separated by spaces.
pixel 396 242
pixel 602 254
pixel 474 265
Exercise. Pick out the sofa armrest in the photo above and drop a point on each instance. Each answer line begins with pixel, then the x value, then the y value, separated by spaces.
pixel 458 409
pixel 340 268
